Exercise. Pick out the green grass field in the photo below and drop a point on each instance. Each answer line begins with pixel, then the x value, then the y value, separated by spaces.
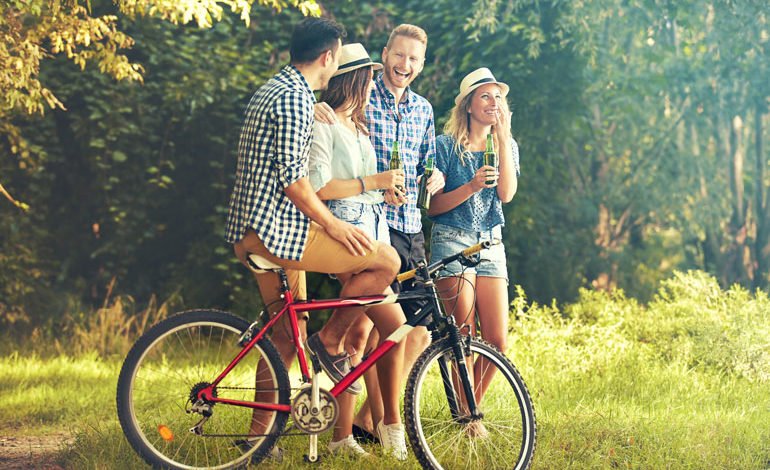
pixel 679 383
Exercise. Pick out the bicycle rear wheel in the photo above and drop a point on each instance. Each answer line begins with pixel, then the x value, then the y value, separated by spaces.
pixel 168 364
pixel 443 436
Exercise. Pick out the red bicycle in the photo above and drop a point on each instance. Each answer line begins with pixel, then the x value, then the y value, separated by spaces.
pixel 198 385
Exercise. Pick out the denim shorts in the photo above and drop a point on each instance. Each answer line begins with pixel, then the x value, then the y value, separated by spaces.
pixel 368 217
pixel 446 241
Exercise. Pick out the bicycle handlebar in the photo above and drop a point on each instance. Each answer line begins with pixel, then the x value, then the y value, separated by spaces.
pixel 440 264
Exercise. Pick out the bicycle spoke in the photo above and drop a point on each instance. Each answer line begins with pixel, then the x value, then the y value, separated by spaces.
pixel 175 357
pixel 504 432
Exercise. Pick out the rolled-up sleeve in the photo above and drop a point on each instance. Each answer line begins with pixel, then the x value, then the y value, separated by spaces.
pixel 320 156
pixel 293 118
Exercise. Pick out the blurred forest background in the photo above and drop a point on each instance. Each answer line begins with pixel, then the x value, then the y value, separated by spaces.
pixel 643 128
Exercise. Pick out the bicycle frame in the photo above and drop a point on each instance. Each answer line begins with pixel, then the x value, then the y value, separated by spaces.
pixel 427 291
pixel 292 308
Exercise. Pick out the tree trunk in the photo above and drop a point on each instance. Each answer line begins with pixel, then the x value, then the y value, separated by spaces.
pixel 738 231
pixel 762 211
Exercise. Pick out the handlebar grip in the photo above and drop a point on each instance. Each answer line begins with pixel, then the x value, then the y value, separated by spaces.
pixel 406 276
pixel 480 246
pixel 474 249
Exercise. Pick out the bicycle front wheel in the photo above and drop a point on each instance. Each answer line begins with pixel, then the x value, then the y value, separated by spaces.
pixel 442 433
pixel 170 363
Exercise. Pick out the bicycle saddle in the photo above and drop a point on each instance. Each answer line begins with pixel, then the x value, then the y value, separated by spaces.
pixel 260 265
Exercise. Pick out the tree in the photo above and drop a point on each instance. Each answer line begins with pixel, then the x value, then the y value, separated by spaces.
pixel 34 31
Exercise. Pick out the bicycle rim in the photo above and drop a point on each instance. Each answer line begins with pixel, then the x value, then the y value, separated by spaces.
pixel 163 370
pixel 445 438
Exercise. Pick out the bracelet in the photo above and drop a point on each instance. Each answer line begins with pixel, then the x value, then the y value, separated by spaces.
pixel 363 185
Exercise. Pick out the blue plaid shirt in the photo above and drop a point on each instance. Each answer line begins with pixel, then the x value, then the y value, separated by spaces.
pixel 272 154
pixel 416 136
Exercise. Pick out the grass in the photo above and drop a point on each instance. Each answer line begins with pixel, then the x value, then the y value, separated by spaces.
pixel 680 383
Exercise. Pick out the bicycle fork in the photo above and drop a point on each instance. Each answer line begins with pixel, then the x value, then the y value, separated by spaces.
pixel 459 354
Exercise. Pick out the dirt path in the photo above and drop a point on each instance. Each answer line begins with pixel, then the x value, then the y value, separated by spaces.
pixel 38 452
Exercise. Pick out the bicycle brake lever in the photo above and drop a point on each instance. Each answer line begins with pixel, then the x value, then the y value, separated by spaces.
pixel 470 261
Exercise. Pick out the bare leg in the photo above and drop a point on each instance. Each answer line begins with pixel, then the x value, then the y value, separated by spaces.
pixel 372 281
pixel 387 318
pixel 492 308
pixel 355 341
pixel 344 425
pixel 280 335
pixel 371 412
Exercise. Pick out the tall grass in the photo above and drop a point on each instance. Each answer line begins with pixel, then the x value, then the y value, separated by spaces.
pixel 109 330
pixel 679 383
pixel 682 382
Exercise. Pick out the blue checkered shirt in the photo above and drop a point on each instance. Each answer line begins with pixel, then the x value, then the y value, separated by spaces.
pixel 416 136
pixel 272 154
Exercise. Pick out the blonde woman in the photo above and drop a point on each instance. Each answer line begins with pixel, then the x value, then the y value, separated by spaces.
pixel 469 210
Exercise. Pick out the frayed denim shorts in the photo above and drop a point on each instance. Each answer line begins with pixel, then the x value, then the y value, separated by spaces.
pixel 446 241
pixel 368 217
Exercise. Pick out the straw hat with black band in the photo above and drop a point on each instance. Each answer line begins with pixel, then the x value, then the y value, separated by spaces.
pixel 475 79
pixel 354 56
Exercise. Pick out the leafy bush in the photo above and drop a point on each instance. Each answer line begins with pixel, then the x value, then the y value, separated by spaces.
pixel 691 322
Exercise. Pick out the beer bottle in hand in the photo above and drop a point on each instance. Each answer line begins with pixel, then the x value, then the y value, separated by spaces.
pixel 490 159
pixel 395 163
pixel 423 197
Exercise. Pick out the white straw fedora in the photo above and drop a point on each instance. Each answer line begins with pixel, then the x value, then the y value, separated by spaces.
pixel 475 79
pixel 353 57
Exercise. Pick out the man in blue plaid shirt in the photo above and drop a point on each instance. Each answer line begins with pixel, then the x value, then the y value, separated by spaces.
pixel 275 213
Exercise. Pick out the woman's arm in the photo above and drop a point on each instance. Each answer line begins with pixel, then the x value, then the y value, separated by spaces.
pixel 444 202
pixel 507 182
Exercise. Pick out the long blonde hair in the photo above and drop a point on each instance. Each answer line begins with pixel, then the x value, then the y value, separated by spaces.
pixel 459 126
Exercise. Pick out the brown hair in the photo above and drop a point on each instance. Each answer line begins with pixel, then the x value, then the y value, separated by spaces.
pixel 351 89
pixel 410 31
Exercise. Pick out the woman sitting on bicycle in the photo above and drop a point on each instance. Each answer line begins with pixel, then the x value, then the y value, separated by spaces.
pixel 469 208
pixel 343 172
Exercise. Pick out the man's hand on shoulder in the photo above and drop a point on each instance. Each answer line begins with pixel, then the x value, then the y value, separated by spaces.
pixel 324 113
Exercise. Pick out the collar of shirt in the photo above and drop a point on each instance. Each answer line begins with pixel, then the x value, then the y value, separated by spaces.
pixel 387 96
pixel 293 75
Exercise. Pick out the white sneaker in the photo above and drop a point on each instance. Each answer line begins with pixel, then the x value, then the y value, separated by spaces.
pixel 393 439
pixel 349 446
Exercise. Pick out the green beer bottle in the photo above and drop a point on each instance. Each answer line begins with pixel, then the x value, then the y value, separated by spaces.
pixel 423 197
pixel 395 162
pixel 490 158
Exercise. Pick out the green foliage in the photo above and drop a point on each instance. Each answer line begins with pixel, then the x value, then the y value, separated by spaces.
pixel 691 323
pixel 625 112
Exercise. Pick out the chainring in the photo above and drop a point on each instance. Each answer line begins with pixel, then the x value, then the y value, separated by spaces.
pixel 314 420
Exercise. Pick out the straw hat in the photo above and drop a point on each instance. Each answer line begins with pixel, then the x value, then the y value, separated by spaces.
pixel 353 57
pixel 475 79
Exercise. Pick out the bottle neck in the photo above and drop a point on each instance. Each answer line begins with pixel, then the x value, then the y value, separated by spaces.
pixel 490 144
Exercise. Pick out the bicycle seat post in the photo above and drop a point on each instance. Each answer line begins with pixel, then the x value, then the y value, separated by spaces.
pixel 284 281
